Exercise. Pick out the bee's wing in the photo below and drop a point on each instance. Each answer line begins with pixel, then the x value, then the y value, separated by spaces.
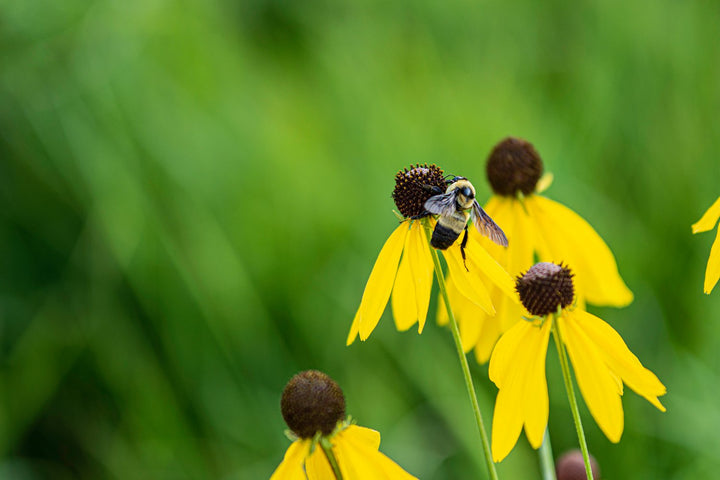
pixel 486 226
pixel 441 204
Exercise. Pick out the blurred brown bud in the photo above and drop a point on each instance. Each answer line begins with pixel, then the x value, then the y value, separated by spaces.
pixel 570 466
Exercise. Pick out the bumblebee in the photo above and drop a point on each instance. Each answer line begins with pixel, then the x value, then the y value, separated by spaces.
pixel 454 208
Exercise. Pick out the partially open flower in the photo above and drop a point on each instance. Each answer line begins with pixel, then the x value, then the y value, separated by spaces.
pixel 313 406
pixel 600 358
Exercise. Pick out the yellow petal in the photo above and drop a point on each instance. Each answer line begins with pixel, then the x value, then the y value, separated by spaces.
pixel 404 305
pixel 709 219
pixel 479 259
pixel 570 239
pixel 422 267
pixel 595 380
pixel 442 317
pixel 468 284
pixel 536 392
pixel 487 338
pixel 521 254
pixel 354 328
pixel 470 327
pixel 291 468
pixel 712 272
pixel 491 327
pixel 620 359
pixel 515 364
pixel 318 467
pixel 380 283
pixel 502 362
pixel 500 210
pixel 356 450
pixel 544 182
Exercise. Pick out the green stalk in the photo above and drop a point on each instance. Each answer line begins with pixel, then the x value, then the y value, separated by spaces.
pixel 571 396
pixel 327 448
pixel 463 361
pixel 547 464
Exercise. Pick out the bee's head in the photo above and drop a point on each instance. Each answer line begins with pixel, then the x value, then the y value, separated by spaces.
pixel 464 190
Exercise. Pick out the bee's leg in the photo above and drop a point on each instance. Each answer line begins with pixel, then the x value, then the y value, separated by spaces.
pixel 434 189
pixel 462 247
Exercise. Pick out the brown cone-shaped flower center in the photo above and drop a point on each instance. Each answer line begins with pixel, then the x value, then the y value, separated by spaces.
pixel 545 287
pixel 514 166
pixel 413 187
pixel 571 466
pixel 312 402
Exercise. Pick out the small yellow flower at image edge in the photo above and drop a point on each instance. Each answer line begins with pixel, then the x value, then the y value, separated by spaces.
pixel 708 222
pixel 536 227
pixel 404 267
pixel 601 360
pixel 327 445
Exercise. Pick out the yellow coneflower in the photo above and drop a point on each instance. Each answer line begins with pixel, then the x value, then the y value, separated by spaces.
pixel 327 445
pixel 536 227
pixel 404 266
pixel 600 359
pixel 708 222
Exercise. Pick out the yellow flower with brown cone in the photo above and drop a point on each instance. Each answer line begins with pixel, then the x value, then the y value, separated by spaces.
pixel 404 267
pixel 313 406
pixel 708 222
pixel 536 227
pixel 601 360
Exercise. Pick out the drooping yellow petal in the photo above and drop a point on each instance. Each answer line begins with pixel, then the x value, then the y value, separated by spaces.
pixel 709 219
pixel 318 467
pixel 403 302
pixel 470 327
pixel 521 256
pixel 620 359
pixel 468 315
pixel 380 283
pixel 291 468
pixel 487 338
pixel 519 259
pixel 570 239
pixel 517 360
pixel 500 210
pixel 479 259
pixel 442 316
pixel 512 218
pixel 422 267
pixel 354 329
pixel 507 422
pixel 536 398
pixel 468 284
pixel 594 378
pixel 502 362
pixel 544 182
pixel 712 271
pixel 356 450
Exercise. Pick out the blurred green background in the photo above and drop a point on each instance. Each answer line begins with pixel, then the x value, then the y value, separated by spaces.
pixel 194 193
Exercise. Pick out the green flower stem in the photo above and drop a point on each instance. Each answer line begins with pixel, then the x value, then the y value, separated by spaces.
pixel 547 464
pixel 571 396
pixel 463 361
pixel 327 448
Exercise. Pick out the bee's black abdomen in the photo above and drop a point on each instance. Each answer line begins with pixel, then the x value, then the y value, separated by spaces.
pixel 443 237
